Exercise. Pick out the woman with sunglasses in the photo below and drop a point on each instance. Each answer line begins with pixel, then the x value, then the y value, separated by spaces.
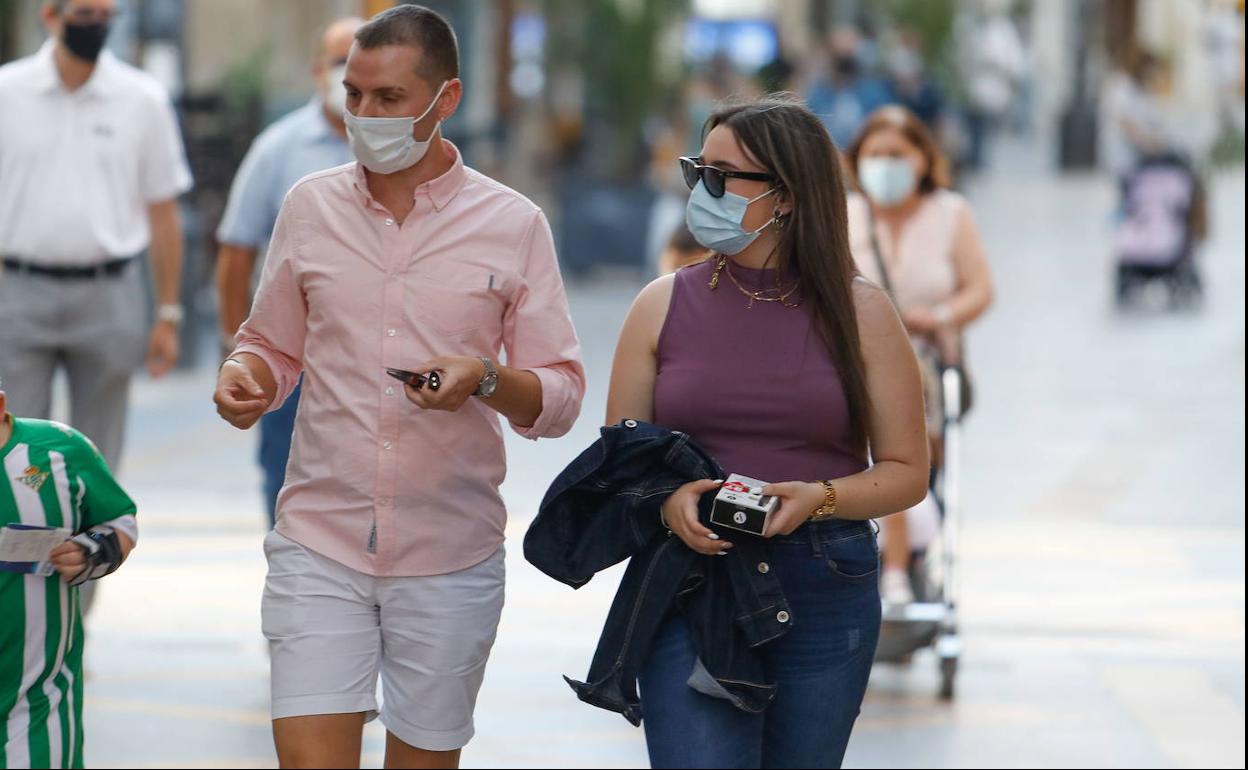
pixel 786 366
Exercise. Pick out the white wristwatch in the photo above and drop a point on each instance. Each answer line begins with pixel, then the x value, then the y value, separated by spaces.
pixel 171 313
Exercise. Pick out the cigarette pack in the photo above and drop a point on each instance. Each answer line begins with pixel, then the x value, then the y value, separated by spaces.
pixel 742 505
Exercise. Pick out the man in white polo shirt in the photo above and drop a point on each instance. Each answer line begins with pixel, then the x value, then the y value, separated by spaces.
pixel 91 165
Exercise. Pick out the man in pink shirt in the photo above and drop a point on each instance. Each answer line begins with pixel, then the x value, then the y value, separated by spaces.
pixel 387 555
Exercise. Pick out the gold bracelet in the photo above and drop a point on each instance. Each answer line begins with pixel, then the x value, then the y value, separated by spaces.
pixel 828 509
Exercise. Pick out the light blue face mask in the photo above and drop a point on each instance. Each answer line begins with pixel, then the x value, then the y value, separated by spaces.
pixel 716 222
pixel 887 181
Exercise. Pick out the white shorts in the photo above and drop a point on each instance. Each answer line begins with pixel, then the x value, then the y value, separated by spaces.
pixel 331 630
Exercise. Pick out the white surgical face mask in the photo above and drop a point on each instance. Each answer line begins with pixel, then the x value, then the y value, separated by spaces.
pixel 888 181
pixel 335 92
pixel 386 145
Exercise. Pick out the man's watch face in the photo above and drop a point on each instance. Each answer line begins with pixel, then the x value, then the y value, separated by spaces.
pixel 489 382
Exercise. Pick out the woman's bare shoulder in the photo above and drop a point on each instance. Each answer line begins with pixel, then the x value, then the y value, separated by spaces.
pixel 875 310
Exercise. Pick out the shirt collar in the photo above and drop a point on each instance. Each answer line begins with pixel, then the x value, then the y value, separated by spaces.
pixel 47 78
pixel 441 190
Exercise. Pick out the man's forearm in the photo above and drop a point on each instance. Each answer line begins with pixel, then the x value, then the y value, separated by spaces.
pixel 166 229
pixel 234 268
pixel 519 396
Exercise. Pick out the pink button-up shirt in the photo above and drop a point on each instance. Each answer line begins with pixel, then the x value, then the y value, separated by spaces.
pixel 374 482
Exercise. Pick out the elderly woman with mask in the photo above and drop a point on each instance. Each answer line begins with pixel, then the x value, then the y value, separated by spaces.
pixel 914 236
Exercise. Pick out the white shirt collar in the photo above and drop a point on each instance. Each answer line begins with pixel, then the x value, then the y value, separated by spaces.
pixel 48 78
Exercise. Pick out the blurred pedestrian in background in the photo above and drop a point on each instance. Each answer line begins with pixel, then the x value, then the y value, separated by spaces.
pixel 993 61
pixel 387 558
pixel 912 86
pixel 312 138
pixel 92 165
pixel 784 367
pixel 1133 118
pixel 910 233
pixel 682 250
pixel 840 91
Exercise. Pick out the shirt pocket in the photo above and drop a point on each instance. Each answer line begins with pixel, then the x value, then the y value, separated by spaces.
pixel 460 303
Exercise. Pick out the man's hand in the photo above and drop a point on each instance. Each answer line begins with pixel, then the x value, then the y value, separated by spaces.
pixel 460 378
pixel 162 349
pixel 239 398
pixel 68 559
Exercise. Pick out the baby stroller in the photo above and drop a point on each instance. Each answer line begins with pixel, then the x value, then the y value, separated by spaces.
pixel 1159 229
pixel 931 619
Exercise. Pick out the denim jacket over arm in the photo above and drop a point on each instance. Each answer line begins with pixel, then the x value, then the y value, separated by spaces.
pixel 604 508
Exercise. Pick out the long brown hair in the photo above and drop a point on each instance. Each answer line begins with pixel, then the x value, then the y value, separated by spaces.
pixel 791 143
pixel 897 118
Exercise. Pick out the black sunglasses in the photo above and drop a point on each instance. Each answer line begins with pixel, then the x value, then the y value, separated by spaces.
pixel 714 178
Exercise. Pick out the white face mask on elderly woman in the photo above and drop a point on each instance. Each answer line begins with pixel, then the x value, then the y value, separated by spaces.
pixel 887 181
pixel 386 145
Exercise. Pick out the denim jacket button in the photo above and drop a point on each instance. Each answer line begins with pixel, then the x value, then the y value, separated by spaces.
pixel 764 567
pixel 782 616
pixel 630 424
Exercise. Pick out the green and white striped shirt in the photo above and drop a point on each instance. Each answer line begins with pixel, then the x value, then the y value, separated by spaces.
pixel 54 477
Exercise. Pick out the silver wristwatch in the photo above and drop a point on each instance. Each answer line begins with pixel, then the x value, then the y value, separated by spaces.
pixel 170 312
pixel 489 381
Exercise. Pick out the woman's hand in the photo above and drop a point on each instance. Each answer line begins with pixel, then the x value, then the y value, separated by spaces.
pixel 680 514
pixel 798 500
pixel 920 321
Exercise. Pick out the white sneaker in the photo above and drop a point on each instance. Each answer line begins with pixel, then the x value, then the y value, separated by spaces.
pixel 895 587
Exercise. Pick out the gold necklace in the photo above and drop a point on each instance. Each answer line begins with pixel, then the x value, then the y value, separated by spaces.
pixel 755 296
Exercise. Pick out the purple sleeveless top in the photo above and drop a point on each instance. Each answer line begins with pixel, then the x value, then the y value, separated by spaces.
pixel 754 386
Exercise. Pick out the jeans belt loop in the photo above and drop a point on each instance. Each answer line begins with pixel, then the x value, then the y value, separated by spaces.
pixel 816 547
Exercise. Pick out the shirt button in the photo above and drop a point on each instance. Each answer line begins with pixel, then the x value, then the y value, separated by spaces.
pixel 392 332
pixel 764 567
pixel 389 391
pixel 384 502
pixel 389 222
pixel 386 445
pixel 782 616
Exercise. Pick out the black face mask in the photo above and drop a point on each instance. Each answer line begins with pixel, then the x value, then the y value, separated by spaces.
pixel 85 41
pixel 846 66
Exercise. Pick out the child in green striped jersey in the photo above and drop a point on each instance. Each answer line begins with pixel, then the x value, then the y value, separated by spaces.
pixel 53 477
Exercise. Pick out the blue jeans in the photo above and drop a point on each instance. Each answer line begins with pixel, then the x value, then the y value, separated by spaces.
pixel 276 429
pixel 829 574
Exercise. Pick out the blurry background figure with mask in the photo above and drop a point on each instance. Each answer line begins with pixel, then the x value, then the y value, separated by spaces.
pixel 310 139
pixel 92 166
pixel 994 63
pixel 840 92
pixel 917 238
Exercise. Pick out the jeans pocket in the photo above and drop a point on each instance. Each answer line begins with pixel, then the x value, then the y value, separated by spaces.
pixel 852 558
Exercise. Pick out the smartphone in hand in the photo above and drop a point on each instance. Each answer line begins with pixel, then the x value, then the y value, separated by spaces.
pixel 417 381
